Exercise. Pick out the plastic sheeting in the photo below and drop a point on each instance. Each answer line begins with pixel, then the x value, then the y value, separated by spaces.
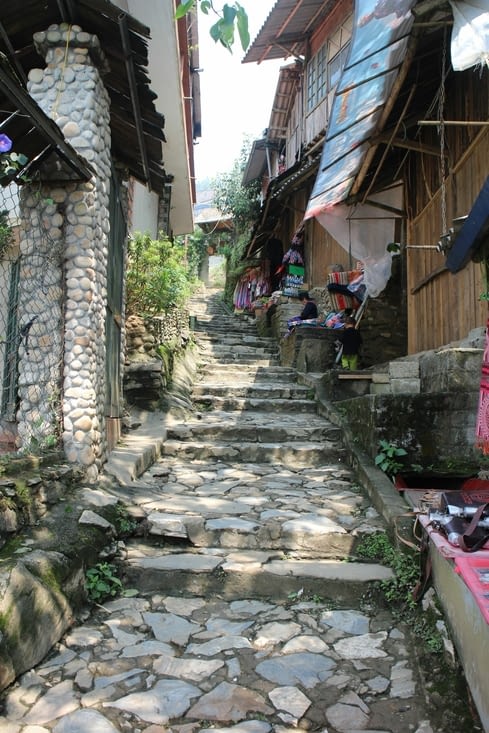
pixel 365 231
pixel 470 34
pixel 381 32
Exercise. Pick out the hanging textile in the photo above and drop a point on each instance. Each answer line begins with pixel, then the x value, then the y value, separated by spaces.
pixel 482 424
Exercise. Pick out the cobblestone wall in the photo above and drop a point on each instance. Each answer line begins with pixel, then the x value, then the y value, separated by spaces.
pixel 148 369
pixel 64 244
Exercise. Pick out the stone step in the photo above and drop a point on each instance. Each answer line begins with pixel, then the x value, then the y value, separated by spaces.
pixel 237 349
pixel 248 372
pixel 237 338
pixel 223 329
pixel 230 404
pixel 232 375
pixel 266 431
pixel 271 390
pixel 245 573
pixel 219 320
pixel 244 359
pixel 291 455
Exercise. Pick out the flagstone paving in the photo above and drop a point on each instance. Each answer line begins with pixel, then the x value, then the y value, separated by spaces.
pixel 245 614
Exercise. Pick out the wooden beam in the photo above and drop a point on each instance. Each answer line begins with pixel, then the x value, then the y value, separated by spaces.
pixel 408 144
pixel 466 123
pixel 384 154
pixel 131 75
pixel 44 124
pixel 408 59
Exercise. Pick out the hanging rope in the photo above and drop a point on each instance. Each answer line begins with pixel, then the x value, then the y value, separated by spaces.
pixel 441 132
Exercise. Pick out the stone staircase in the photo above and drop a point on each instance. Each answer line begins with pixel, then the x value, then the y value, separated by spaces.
pixel 254 485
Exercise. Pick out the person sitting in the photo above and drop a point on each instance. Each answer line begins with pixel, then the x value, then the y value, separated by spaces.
pixel 309 310
pixel 309 307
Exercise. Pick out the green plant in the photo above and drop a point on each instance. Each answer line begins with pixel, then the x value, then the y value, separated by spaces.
pixel 231 17
pixel 157 275
pixel 23 493
pixel 399 591
pixel 6 233
pixel 101 582
pixel 387 457
pixel 11 163
pixel 124 523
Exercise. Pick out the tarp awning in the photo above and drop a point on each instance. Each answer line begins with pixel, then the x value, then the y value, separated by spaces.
pixel 378 47
pixel 473 233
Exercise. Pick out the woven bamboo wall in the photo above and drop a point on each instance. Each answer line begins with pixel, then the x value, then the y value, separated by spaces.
pixel 443 307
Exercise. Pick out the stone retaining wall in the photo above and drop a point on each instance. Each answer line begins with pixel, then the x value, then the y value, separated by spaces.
pixel 150 348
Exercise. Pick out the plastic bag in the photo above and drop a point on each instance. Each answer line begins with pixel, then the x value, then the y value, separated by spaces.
pixel 470 34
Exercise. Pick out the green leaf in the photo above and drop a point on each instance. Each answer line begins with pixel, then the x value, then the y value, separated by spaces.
pixel 184 8
pixel 205 6
pixel 215 31
pixel 243 30
pixel 229 15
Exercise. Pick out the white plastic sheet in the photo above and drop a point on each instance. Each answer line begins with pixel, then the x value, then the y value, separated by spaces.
pixel 365 231
pixel 470 34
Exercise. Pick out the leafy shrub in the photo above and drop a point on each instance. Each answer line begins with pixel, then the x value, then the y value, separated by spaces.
pixel 387 459
pixel 157 275
pixel 101 582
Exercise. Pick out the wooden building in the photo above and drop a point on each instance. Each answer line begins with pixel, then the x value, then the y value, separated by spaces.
pixel 372 110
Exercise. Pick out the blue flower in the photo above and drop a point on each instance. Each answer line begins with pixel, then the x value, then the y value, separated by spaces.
pixel 5 143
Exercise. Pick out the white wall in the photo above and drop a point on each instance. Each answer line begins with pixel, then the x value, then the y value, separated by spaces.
pixel 144 211
pixel 165 81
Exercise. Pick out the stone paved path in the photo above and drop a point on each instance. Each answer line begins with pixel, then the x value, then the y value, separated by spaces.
pixel 247 617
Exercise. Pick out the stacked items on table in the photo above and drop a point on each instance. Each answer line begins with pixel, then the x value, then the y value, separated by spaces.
pixel 293 280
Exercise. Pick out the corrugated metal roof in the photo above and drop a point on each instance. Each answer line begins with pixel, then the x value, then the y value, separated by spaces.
pixel 137 128
pixel 211 220
pixel 257 161
pixel 287 29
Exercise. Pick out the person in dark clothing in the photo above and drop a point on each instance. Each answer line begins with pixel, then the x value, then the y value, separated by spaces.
pixel 308 312
pixel 351 341
pixel 309 307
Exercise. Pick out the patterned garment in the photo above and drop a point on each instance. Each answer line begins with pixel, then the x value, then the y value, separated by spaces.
pixel 482 424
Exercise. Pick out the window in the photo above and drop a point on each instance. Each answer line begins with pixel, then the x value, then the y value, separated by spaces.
pixel 311 85
pixel 335 66
pixel 324 69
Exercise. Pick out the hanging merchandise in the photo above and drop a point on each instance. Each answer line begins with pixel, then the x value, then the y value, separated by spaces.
pixel 293 265
pixel 254 283
pixel 482 421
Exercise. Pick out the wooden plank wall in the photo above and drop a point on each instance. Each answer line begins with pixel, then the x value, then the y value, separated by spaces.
pixel 447 306
pixel 324 251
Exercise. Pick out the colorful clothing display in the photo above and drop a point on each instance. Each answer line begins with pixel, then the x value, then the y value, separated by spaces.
pixel 482 424
pixel 254 283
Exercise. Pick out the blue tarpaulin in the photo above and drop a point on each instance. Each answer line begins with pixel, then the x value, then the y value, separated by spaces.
pixel 473 232
pixel 378 47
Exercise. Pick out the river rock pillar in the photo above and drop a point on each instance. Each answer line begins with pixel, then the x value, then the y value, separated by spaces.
pixel 63 279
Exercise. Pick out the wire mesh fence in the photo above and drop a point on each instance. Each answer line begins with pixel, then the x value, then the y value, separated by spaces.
pixel 30 284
